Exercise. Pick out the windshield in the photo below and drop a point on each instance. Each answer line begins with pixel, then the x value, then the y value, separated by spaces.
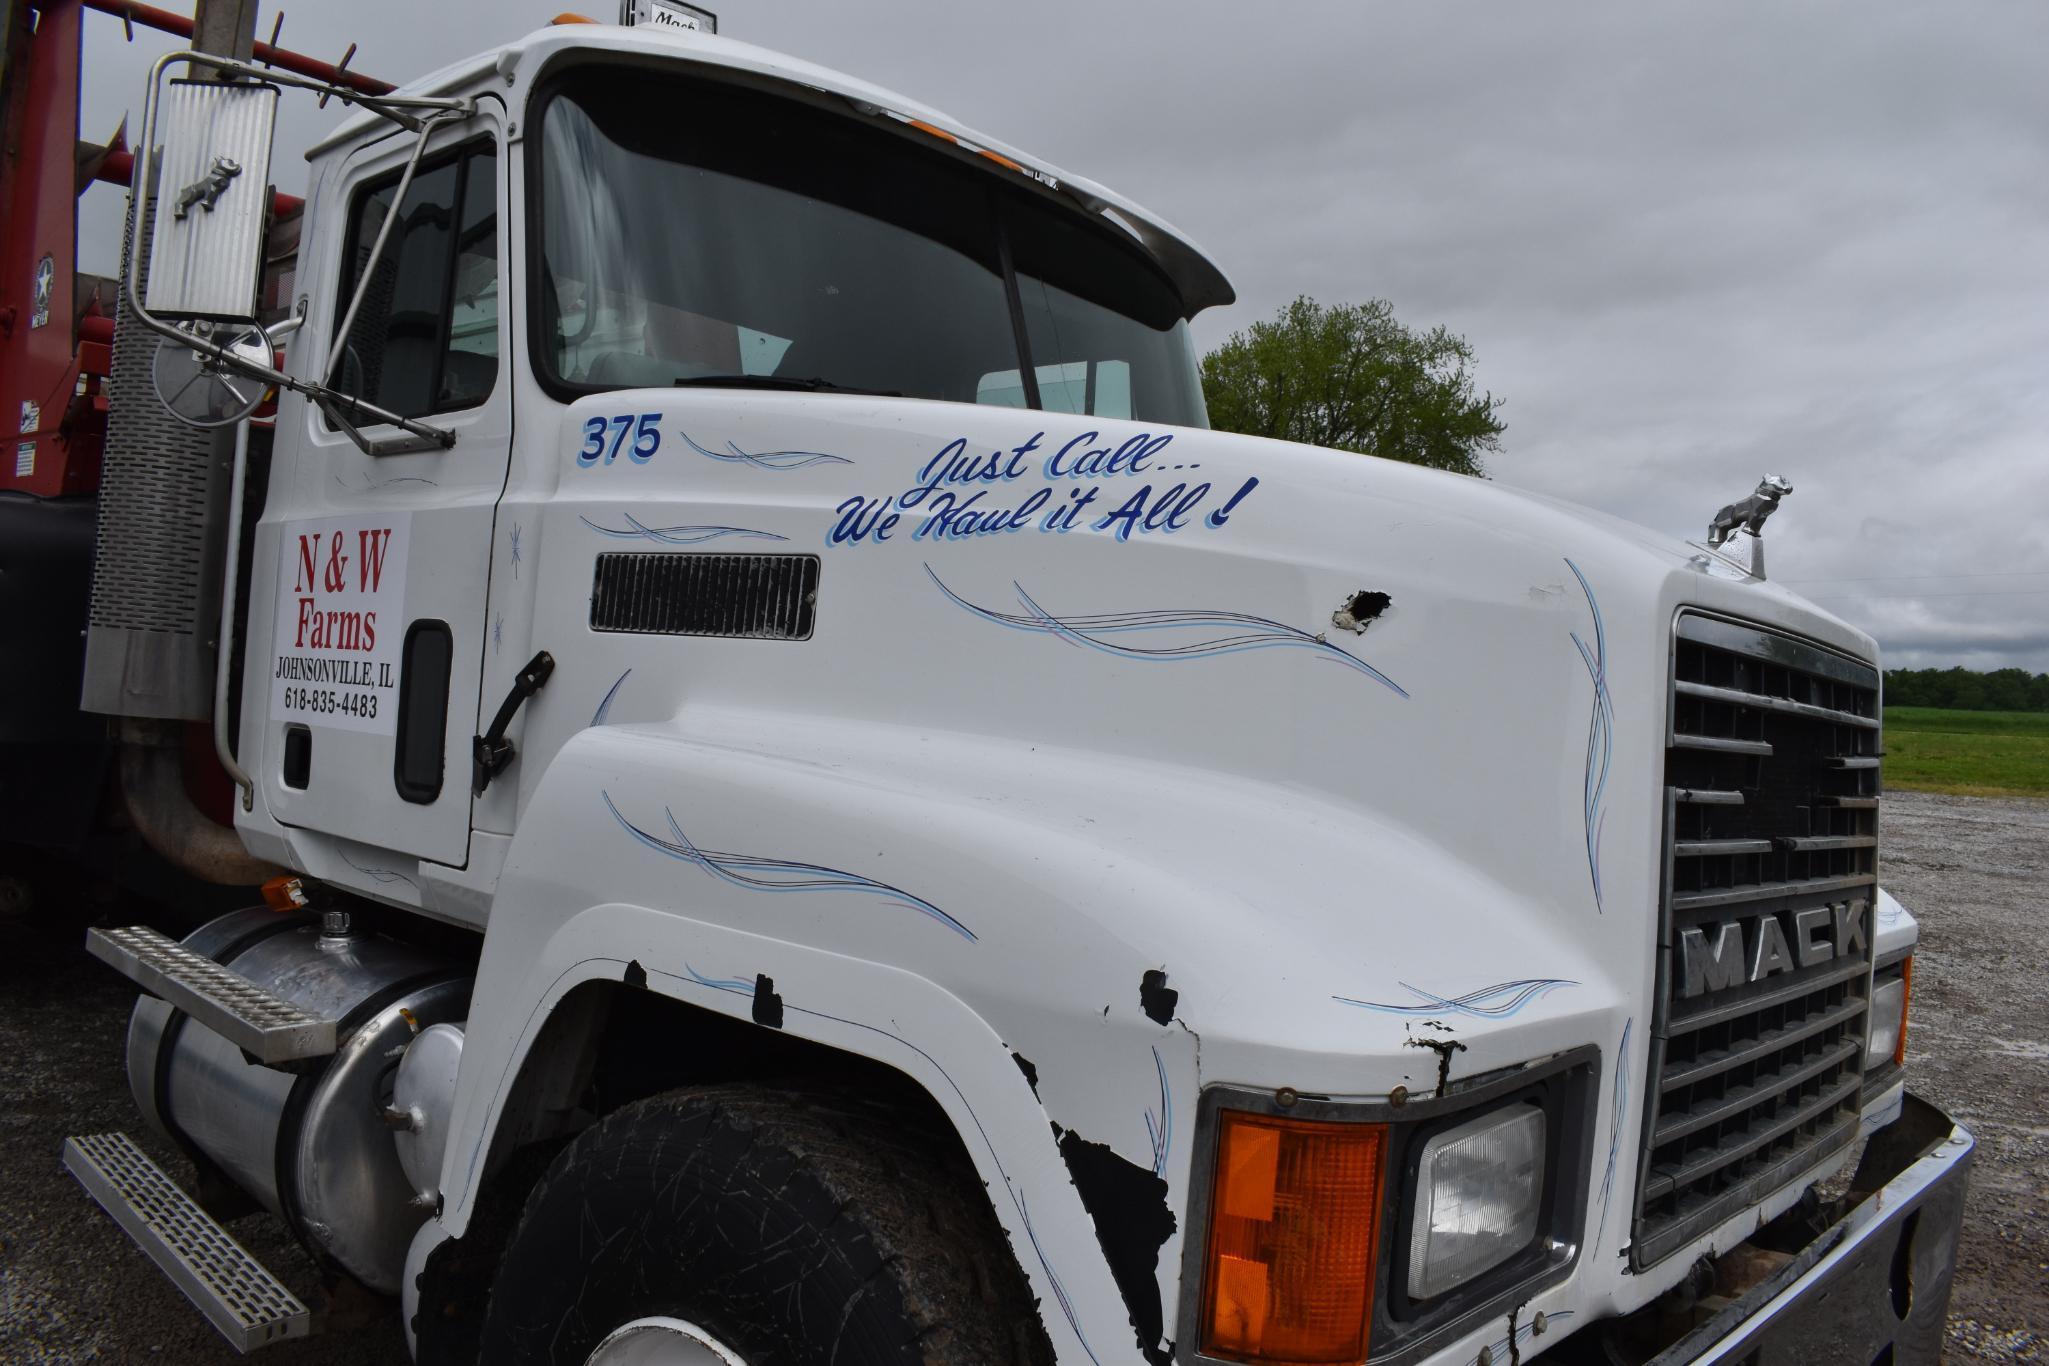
pixel 698 233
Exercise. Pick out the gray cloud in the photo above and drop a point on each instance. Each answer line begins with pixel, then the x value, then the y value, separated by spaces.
pixel 1689 245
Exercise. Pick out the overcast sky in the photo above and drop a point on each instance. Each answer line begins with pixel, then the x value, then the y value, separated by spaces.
pixel 1689 244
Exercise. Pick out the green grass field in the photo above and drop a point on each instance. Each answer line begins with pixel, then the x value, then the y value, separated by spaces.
pixel 1967 753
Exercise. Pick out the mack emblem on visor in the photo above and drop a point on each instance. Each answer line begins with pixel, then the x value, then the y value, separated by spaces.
pixel 1729 954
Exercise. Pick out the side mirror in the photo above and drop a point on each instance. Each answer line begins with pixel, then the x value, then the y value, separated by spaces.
pixel 211 195
pixel 206 147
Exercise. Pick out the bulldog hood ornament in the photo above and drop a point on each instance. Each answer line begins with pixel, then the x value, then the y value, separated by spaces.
pixel 1748 516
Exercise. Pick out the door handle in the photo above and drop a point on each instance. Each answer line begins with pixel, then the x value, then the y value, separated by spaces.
pixel 493 751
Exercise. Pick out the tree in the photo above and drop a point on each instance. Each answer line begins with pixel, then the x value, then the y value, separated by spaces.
pixel 1353 378
pixel 1961 689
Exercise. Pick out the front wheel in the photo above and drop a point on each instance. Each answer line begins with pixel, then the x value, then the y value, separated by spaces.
pixel 662 1341
pixel 735 1226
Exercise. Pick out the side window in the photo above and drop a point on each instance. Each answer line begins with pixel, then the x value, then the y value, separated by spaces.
pixel 1104 328
pixel 1098 387
pixel 1080 341
pixel 426 338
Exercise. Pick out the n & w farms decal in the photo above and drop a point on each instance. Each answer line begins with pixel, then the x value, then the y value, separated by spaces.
pixel 341 623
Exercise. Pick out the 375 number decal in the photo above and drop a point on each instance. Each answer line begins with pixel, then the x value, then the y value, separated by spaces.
pixel 605 437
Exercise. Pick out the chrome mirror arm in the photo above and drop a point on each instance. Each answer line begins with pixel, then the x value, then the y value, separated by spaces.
pixel 393 107
pixel 369 267
pixel 336 407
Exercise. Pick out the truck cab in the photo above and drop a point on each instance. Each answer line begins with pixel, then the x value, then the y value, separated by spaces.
pixel 785 734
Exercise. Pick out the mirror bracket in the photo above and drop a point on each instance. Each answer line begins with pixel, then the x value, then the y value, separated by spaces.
pixel 336 407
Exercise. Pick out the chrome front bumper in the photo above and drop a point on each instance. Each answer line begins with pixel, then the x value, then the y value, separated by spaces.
pixel 1875 1285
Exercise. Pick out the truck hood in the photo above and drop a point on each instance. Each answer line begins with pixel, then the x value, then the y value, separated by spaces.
pixel 1405 726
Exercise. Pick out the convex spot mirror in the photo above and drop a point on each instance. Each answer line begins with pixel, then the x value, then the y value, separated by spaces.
pixel 211 195
pixel 202 390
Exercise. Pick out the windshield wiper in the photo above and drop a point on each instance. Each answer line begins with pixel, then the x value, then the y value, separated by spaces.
pixel 813 385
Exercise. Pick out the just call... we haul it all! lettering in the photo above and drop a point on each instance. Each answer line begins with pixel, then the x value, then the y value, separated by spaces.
pixel 952 499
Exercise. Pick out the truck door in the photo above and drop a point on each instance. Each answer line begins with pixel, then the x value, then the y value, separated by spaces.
pixel 381 560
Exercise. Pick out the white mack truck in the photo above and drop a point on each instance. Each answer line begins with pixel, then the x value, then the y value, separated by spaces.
pixel 815 813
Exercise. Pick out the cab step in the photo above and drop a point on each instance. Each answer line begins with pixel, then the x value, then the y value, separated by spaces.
pixel 237 1293
pixel 267 1027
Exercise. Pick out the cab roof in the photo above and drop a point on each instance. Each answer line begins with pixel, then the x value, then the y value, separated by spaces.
pixel 518 63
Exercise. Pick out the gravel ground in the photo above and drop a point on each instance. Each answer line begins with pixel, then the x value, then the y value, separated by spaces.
pixel 72 1285
pixel 1976 872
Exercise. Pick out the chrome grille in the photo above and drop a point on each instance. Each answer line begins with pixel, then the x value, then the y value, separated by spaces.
pixel 1771 859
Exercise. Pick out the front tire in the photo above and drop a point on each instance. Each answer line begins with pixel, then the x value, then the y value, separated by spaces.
pixel 794 1229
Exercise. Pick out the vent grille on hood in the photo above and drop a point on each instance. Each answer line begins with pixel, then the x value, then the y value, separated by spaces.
pixel 752 597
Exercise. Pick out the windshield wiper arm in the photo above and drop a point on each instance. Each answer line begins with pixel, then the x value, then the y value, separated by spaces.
pixel 813 384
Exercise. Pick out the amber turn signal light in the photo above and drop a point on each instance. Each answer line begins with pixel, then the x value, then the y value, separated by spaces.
pixel 284 894
pixel 1293 1237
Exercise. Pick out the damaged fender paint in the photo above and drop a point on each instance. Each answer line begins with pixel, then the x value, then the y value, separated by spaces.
pixel 1134 1219
pixel 768 1007
pixel 1443 1048
pixel 636 975
pixel 1031 1073
pixel 1360 610
pixel 1507 1350
pixel 1156 998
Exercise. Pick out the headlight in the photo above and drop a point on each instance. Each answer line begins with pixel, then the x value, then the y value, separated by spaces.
pixel 1478 1190
pixel 1477 1197
pixel 1888 1043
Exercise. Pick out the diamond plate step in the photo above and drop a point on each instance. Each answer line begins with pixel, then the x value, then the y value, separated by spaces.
pixel 268 1028
pixel 236 1292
